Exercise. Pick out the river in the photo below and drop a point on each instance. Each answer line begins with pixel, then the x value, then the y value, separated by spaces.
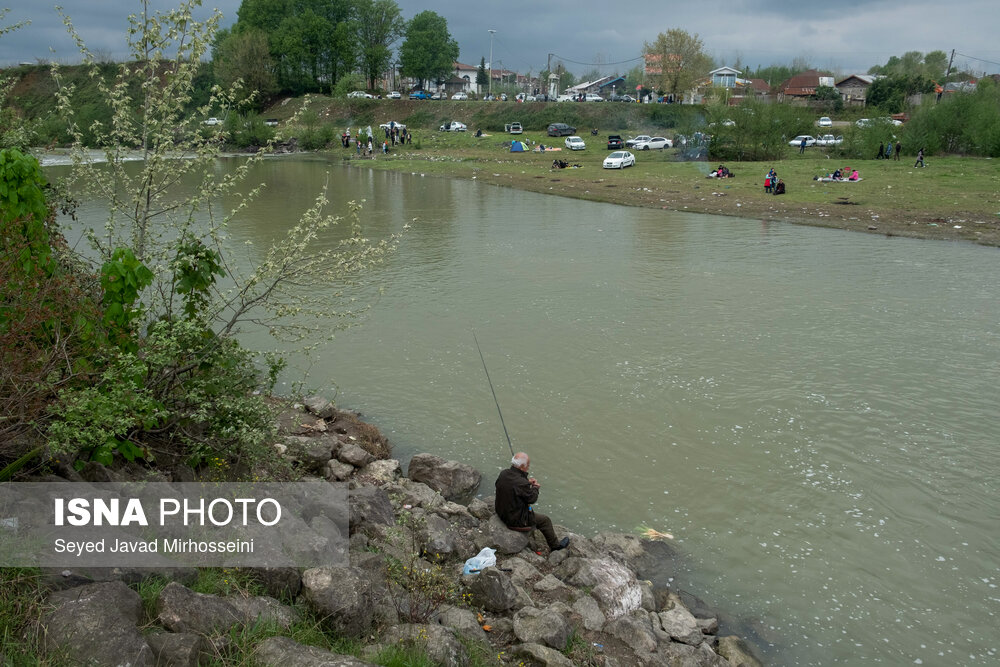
pixel 812 413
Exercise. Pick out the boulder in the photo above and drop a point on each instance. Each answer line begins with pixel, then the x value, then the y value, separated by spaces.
pixel 264 610
pixel 536 654
pixel 417 494
pixel 541 626
pixel 634 630
pixel 289 653
pixel 96 624
pixel 345 596
pixel 548 583
pixel 463 622
pixel 492 590
pixel 179 609
pixel 522 572
pixel 355 455
pixel 589 612
pixel 629 546
pixel 673 654
pixel 381 472
pixel 612 584
pixel 370 505
pixel 438 538
pixel 335 471
pixel 311 453
pixel 503 539
pixel 737 652
pixel 320 407
pixel 680 623
pixel 453 480
pixel 440 643
pixel 480 509
pixel 180 649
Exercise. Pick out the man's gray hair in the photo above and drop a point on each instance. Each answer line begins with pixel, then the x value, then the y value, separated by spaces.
pixel 519 459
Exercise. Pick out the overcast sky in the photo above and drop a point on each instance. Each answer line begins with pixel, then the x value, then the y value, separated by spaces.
pixel 842 36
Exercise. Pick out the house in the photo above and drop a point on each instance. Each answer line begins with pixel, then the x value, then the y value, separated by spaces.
pixel 724 77
pixel 803 86
pixel 853 89
pixel 468 74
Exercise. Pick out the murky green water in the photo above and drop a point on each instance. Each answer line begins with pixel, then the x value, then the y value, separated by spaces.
pixel 812 413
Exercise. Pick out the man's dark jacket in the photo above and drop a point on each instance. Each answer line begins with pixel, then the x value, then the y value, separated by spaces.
pixel 514 496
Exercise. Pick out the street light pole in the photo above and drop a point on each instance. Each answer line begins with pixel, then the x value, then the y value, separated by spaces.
pixel 491 61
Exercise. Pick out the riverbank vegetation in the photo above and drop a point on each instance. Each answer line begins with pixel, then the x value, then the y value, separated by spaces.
pixel 127 352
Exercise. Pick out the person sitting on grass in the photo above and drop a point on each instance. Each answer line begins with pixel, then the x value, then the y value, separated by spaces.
pixel 855 176
pixel 779 189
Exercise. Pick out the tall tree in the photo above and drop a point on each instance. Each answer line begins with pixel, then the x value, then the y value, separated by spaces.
pixel 676 61
pixel 482 78
pixel 245 55
pixel 429 51
pixel 380 24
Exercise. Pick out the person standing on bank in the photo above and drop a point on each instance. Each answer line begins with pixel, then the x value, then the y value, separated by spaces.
pixel 920 158
pixel 515 494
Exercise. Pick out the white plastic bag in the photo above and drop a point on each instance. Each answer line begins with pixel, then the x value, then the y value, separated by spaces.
pixel 484 559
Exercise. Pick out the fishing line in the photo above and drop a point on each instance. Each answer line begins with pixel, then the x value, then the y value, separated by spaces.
pixel 494 393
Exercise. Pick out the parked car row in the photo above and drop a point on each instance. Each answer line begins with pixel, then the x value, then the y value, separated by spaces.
pixel 824 140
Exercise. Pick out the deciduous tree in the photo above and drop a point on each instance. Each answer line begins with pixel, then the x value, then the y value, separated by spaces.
pixel 380 24
pixel 428 52
pixel 676 60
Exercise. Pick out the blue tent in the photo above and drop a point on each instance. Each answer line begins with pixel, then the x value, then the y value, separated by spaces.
pixel 518 147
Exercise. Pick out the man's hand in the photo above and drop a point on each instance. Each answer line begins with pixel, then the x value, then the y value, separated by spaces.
pixel 534 482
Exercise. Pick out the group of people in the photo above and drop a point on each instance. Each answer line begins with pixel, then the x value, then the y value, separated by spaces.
pixel 721 172
pixel 886 151
pixel 366 147
pixel 845 174
pixel 772 184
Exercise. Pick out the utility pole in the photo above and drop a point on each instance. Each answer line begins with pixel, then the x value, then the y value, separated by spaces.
pixel 946 73
pixel 491 61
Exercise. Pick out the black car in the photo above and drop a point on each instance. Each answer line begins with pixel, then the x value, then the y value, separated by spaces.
pixel 561 130
pixel 615 142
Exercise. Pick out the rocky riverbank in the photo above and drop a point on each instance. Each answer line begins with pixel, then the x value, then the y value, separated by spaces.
pixel 409 538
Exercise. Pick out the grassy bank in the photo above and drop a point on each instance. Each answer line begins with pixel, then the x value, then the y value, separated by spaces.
pixel 955 198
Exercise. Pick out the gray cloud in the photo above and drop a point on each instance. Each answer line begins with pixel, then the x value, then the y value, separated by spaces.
pixel 845 36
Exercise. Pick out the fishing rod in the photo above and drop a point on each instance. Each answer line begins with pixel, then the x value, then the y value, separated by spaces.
pixel 494 393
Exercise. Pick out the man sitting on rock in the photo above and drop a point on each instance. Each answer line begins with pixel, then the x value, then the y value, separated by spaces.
pixel 515 494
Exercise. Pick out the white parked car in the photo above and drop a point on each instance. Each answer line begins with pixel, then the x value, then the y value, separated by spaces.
pixel 653 142
pixel 459 96
pixel 213 121
pixel 825 122
pixel 439 96
pixel 797 141
pixel 392 126
pixel 829 140
pixel 453 126
pixel 632 142
pixel 619 160
pixel 394 95
pixel 565 98
pixel 360 94
pixel 575 143
pixel 863 122
pixel 593 97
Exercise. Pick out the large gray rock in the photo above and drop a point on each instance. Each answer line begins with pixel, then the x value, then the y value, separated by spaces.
pixel 416 494
pixel 480 509
pixel 311 453
pixel 278 582
pixel 320 407
pixel 370 505
pixel 453 480
pixel 683 655
pixel 737 652
pixel 503 539
pixel 335 471
pixel 536 654
pixel 179 609
pixel 629 546
pixel 612 584
pixel 522 572
pixel 381 472
pixel 634 630
pixel 355 455
pixel 492 590
pixel 264 610
pixel 96 624
pixel 589 612
pixel 680 623
pixel 439 642
pixel 462 622
pixel 540 626
pixel 289 653
pixel 180 649
pixel 345 596
pixel 440 540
